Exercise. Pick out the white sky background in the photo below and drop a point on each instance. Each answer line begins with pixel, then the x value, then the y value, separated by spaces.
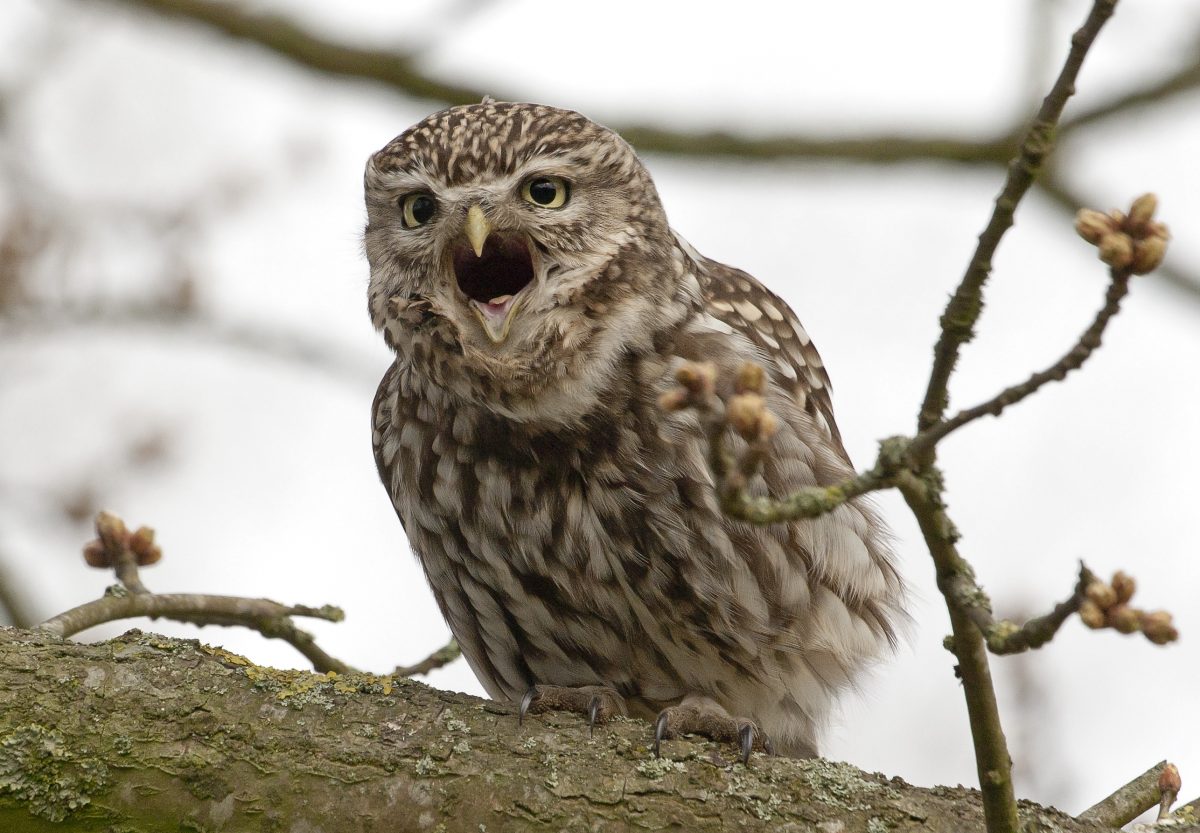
pixel 269 486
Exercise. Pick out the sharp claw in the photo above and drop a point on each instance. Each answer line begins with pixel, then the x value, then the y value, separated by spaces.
pixel 746 733
pixel 768 746
pixel 593 712
pixel 526 702
pixel 660 728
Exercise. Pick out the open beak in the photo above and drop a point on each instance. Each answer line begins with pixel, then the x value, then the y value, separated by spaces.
pixel 491 269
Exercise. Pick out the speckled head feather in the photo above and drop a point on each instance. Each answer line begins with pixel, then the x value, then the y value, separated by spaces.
pixel 463 144
pixel 538 304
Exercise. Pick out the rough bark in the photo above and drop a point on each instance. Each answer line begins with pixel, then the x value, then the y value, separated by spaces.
pixel 148 733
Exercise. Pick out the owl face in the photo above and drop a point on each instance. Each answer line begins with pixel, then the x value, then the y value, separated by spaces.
pixel 509 245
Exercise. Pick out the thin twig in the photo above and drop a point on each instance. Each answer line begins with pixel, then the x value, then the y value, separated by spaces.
pixel 958 320
pixel 1074 358
pixel 1128 802
pixel 1004 636
pixel 117 548
pixel 444 655
pixel 263 615
pixel 1183 80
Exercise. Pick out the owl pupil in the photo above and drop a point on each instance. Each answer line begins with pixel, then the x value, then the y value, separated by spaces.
pixel 422 209
pixel 543 191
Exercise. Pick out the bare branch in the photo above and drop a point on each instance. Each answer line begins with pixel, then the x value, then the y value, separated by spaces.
pixel 286 39
pixel 1129 801
pixel 444 655
pixel 1007 637
pixel 1074 358
pixel 117 548
pixel 1186 79
pixel 958 321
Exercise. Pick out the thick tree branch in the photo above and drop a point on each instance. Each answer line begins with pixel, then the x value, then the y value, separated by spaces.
pixel 148 734
pixel 958 321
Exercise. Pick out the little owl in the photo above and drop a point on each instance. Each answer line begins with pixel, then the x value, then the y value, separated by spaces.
pixel 538 304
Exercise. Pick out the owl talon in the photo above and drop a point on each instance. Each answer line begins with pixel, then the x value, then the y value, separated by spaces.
pixel 593 714
pixel 598 703
pixel 526 702
pixel 746 737
pixel 699 715
pixel 660 730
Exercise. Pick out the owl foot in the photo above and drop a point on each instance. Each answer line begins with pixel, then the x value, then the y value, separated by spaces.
pixel 599 702
pixel 703 716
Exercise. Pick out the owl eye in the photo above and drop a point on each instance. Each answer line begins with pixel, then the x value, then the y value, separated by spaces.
pixel 417 209
pixel 546 191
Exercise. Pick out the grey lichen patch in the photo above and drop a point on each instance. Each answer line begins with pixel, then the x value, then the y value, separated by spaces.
pixel 655 768
pixel 426 766
pixel 841 785
pixel 52 780
pixel 877 825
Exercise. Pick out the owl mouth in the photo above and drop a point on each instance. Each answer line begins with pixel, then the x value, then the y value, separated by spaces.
pixel 493 279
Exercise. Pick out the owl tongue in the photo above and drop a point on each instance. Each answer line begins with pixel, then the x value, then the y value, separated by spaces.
pixel 495 308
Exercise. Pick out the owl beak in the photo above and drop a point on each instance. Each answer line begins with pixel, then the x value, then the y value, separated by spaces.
pixel 491 272
pixel 496 316
pixel 477 229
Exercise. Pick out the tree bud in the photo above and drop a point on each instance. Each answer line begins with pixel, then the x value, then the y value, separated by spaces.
pixel 1101 594
pixel 750 379
pixel 1142 211
pixel 1158 627
pixel 96 555
pixel 1093 225
pixel 1091 615
pixel 1116 249
pixel 1123 618
pixel 744 414
pixel 1124 585
pixel 1148 255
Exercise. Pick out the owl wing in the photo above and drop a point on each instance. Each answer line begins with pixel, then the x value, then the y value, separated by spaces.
pixel 788 354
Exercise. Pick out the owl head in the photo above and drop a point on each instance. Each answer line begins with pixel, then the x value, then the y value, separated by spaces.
pixel 517 252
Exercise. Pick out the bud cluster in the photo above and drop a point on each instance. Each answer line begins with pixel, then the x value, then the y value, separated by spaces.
pixel 1133 241
pixel 113 537
pixel 1106 605
pixel 746 410
pixel 697 383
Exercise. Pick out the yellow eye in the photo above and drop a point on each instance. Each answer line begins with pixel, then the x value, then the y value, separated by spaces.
pixel 417 209
pixel 546 191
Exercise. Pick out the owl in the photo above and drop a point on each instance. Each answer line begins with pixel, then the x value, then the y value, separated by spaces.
pixel 538 305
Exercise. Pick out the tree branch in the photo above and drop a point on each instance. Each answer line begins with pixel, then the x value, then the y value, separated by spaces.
pixel 148 734
pixel 1127 802
pixel 444 655
pixel 117 548
pixel 958 320
pixel 1074 358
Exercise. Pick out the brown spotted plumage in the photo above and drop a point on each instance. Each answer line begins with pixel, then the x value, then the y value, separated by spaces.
pixel 538 304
